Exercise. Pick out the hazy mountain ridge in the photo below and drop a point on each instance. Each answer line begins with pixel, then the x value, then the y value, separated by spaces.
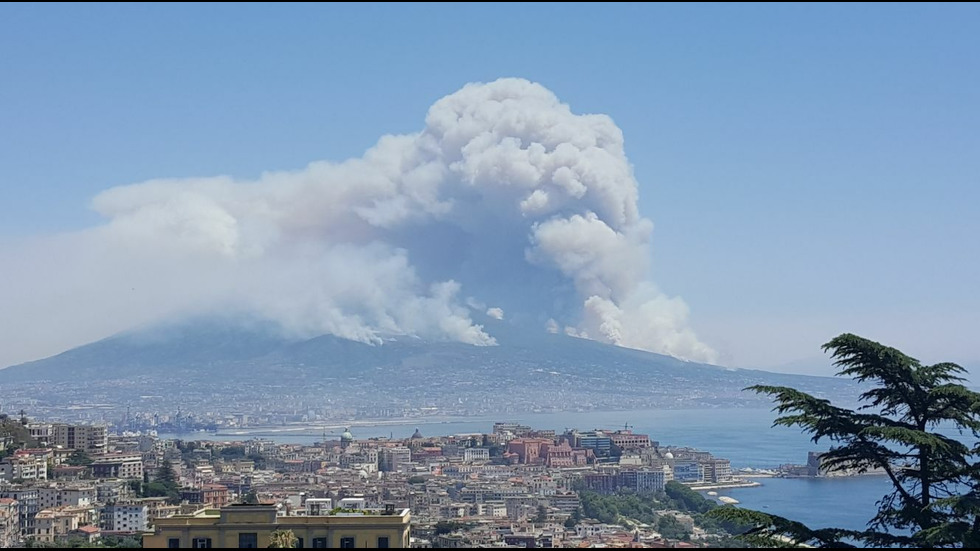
pixel 213 353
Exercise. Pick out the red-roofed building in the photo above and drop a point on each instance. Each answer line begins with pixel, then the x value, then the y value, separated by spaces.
pixel 627 440
pixel 426 452
pixel 45 453
pixel 89 533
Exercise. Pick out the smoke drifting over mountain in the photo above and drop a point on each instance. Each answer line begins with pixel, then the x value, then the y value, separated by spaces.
pixel 506 201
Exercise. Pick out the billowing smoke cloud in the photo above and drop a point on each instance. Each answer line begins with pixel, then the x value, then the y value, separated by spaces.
pixel 505 197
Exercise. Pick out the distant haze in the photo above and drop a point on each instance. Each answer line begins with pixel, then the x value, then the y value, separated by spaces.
pixel 506 205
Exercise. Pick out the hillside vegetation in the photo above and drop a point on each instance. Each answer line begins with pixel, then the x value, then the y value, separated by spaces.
pixel 19 435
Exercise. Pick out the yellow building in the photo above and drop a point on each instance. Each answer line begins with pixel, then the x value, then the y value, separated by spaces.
pixel 50 525
pixel 249 527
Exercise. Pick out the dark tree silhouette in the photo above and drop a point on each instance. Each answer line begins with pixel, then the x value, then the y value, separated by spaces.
pixel 895 431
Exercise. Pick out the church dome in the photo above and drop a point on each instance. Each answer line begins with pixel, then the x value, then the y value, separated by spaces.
pixel 347 436
pixel 417 434
pixel 668 455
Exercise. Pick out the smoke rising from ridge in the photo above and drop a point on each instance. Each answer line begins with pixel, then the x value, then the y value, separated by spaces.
pixel 506 201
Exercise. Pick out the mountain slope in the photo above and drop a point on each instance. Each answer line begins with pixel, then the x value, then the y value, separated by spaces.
pixel 531 370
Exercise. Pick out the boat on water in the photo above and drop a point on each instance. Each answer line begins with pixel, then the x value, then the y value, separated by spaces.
pixel 712 494
pixel 728 500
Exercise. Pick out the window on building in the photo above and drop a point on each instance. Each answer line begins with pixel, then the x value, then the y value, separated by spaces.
pixel 299 543
pixel 248 541
pixel 319 543
pixel 173 543
pixel 347 543
pixel 202 543
pixel 382 542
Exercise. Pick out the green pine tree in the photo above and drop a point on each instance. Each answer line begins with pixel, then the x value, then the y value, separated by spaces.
pixel 166 473
pixel 894 431
pixel 78 458
pixel 542 516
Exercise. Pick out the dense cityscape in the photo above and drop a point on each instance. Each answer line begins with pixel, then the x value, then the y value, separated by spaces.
pixel 67 484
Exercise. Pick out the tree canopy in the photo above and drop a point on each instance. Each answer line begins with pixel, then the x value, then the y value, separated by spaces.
pixel 79 458
pixel 164 485
pixel 901 428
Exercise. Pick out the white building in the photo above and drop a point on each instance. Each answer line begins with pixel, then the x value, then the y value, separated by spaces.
pixel 124 518
pixel 497 509
pixel 25 467
pixel 476 454
pixel 49 498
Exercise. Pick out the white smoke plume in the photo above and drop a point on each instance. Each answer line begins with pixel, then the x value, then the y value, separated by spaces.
pixel 551 326
pixel 505 195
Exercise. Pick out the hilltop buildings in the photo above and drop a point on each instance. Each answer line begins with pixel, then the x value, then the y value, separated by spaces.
pixel 90 438
pixel 516 486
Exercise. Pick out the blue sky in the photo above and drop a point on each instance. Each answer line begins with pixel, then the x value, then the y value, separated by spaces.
pixel 809 169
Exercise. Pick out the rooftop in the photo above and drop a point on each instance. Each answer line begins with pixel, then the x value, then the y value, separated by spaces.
pixel 264 514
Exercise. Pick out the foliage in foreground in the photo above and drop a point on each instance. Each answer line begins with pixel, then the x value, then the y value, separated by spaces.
pixel 935 477
pixel 648 508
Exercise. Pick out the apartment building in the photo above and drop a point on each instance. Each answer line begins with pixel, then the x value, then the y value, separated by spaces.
pixel 129 465
pixel 91 438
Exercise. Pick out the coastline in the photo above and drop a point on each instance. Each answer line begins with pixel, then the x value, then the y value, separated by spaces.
pixel 316 428
pixel 724 485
